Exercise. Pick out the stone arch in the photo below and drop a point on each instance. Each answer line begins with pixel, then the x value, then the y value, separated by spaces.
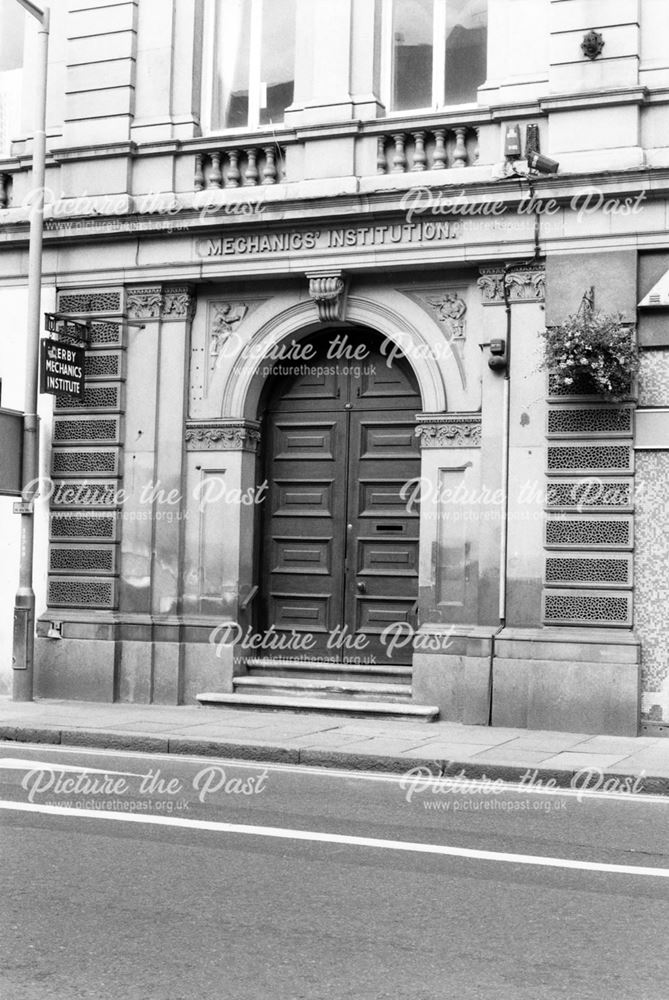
pixel 244 380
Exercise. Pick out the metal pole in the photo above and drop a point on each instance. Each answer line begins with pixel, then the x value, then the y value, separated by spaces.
pixel 24 605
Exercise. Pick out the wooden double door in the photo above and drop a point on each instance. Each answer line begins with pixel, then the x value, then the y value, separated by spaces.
pixel 339 565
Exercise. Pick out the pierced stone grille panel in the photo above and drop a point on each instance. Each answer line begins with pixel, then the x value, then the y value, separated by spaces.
pixel 74 429
pixel 587 608
pixel 87 526
pixel 100 560
pixel 590 532
pixel 591 421
pixel 589 492
pixel 82 493
pixel 95 397
pixel 590 458
pixel 89 302
pixel 104 364
pixel 609 571
pixel 66 592
pixel 85 462
pixel 106 334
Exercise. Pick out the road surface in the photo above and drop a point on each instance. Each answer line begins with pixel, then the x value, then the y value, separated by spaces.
pixel 148 877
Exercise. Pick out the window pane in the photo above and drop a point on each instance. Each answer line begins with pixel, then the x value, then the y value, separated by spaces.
pixel 277 63
pixel 466 49
pixel 12 21
pixel 232 63
pixel 413 22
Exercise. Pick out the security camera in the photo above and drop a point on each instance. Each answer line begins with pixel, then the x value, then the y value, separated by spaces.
pixel 542 164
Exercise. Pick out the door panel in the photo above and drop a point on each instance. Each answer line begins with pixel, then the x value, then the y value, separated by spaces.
pixel 382 582
pixel 340 550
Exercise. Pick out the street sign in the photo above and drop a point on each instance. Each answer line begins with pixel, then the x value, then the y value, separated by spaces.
pixel 62 368
pixel 11 440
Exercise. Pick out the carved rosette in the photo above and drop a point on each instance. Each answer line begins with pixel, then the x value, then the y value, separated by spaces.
pixel 158 303
pixel 448 430
pixel 528 285
pixel 328 291
pixel 240 435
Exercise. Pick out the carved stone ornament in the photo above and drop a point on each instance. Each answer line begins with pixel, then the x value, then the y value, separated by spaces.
pixel 178 302
pixel 450 310
pixel 225 318
pixel 158 303
pixel 222 436
pixel 592 44
pixel 327 289
pixel 528 285
pixel 144 303
pixel 449 431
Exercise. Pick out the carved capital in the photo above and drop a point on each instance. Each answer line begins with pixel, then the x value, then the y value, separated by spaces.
pixel 157 303
pixel 145 302
pixel 222 435
pixel 178 303
pixel 449 430
pixel 328 290
pixel 527 285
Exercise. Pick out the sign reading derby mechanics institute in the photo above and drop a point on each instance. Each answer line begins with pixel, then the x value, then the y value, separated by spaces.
pixel 62 368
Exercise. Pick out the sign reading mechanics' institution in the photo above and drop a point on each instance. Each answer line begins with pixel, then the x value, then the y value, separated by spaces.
pixel 348 238
pixel 62 368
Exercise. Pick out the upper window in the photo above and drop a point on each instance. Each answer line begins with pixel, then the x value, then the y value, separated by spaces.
pixel 12 20
pixel 435 52
pixel 253 62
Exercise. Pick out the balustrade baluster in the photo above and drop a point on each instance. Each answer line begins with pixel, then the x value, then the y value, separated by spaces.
pixel 439 156
pixel 419 155
pixel 400 157
pixel 269 170
pixel 234 176
pixel 251 172
pixel 199 173
pixel 216 175
pixel 460 151
pixel 381 162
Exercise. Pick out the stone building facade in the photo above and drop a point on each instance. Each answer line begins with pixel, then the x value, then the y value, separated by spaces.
pixel 236 188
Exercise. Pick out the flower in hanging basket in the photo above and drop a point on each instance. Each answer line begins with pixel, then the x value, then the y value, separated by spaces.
pixel 595 351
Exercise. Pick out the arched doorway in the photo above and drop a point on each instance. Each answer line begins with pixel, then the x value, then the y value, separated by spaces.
pixel 339 548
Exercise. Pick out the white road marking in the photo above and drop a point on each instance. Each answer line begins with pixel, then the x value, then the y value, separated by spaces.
pixel 333 772
pixel 26 764
pixel 333 838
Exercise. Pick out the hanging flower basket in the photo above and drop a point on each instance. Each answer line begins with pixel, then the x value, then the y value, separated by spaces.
pixel 594 353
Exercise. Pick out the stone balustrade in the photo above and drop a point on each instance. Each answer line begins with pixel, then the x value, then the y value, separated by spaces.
pixel 234 167
pixel 407 151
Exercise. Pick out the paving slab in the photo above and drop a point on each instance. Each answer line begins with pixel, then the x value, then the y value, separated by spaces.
pixel 579 760
pixel 502 755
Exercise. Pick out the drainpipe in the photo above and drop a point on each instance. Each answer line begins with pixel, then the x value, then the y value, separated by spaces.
pixel 506 435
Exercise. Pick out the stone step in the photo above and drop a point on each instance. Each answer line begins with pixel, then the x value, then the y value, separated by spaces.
pixel 330 706
pixel 331 687
pixel 325 670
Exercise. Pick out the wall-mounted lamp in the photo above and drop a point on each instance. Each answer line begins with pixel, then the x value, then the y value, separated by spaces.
pixel 497 360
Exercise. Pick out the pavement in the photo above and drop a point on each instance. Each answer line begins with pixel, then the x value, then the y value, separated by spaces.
pixel 316 740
